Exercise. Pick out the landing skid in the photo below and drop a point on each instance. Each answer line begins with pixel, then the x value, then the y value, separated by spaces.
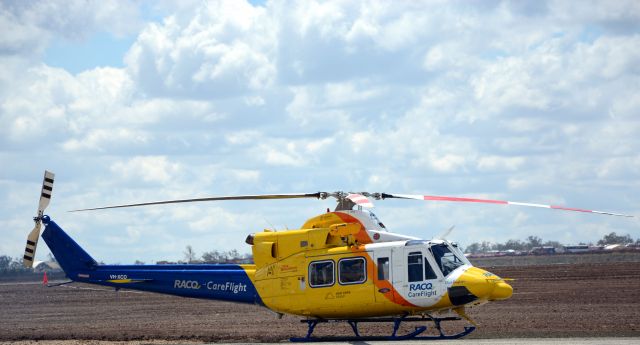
pixel 415 335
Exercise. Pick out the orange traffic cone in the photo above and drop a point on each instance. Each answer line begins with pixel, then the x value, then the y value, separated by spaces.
pixel 45 280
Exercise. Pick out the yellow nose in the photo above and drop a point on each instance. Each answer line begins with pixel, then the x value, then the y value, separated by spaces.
pixel 485 285
pixel 501 290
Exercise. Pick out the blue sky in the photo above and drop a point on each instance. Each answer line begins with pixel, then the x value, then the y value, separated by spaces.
pixel 101 49
pixel 534 101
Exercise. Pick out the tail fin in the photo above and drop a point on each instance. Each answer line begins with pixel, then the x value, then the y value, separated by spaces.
pixel 71 257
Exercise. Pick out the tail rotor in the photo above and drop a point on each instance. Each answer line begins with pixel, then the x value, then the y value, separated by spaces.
pixel 34 235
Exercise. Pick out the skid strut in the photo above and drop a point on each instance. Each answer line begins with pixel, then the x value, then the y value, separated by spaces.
pixel 312 323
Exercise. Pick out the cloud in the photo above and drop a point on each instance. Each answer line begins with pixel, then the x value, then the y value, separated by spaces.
pixel 495 163
pixel 34 24
pixel 147 169
pixel 102 139
pixel 279 152
pixel 520 101
pixel 619 17
pixel 222 50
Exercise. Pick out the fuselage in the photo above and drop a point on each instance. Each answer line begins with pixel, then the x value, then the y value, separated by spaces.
pixel 338 265
pixel 393 278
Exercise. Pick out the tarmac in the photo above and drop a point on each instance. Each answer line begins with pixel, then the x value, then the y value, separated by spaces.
pixel 506 341
pixel 519 341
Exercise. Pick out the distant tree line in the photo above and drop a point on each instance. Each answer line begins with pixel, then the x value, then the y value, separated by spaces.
pixel 11 265
pixel 212 257
pixel 613 238
pixel 14 265
pixel 535 241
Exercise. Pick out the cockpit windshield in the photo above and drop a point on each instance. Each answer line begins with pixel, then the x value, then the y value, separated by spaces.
pixel 447 261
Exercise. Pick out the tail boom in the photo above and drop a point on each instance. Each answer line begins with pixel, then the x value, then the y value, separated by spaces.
pixel 220 282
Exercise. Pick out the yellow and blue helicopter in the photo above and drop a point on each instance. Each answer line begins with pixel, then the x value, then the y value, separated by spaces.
pixel 342 265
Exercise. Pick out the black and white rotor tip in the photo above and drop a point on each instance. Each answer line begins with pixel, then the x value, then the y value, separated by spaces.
pixel 34 235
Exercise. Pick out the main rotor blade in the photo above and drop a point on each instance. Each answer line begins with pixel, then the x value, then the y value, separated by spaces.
pixel 214 198
pixel 489 201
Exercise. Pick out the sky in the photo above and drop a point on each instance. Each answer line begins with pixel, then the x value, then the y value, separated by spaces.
pixel 135 101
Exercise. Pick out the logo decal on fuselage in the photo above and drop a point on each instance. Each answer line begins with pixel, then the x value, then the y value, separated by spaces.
pixel 227 286
pixel 421 290
pixel 230 287
pixel 186 284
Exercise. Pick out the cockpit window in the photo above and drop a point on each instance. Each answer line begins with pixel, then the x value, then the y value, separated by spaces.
pixel 428 271
pixel 446 260
pixel 414 266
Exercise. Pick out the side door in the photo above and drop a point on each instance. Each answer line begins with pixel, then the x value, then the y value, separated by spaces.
pixel 423 285
pixel 383 274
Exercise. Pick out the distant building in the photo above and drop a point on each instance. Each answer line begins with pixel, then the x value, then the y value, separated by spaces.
pixel 542 251
pixel 614 247
pixel 41 266
pixel 581 248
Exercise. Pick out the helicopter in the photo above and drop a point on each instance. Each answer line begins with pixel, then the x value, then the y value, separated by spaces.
pixel 340 266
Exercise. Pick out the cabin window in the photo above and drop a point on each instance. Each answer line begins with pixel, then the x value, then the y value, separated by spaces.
pixel 383 268
pixel 446 260
pixel 428 271
pixel 352 271
pixel 414 265
pixel 321 273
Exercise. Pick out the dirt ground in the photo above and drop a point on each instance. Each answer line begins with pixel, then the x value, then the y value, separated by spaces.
pixel 561 300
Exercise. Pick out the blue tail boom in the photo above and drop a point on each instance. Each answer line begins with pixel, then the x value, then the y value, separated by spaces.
pixel 219 282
